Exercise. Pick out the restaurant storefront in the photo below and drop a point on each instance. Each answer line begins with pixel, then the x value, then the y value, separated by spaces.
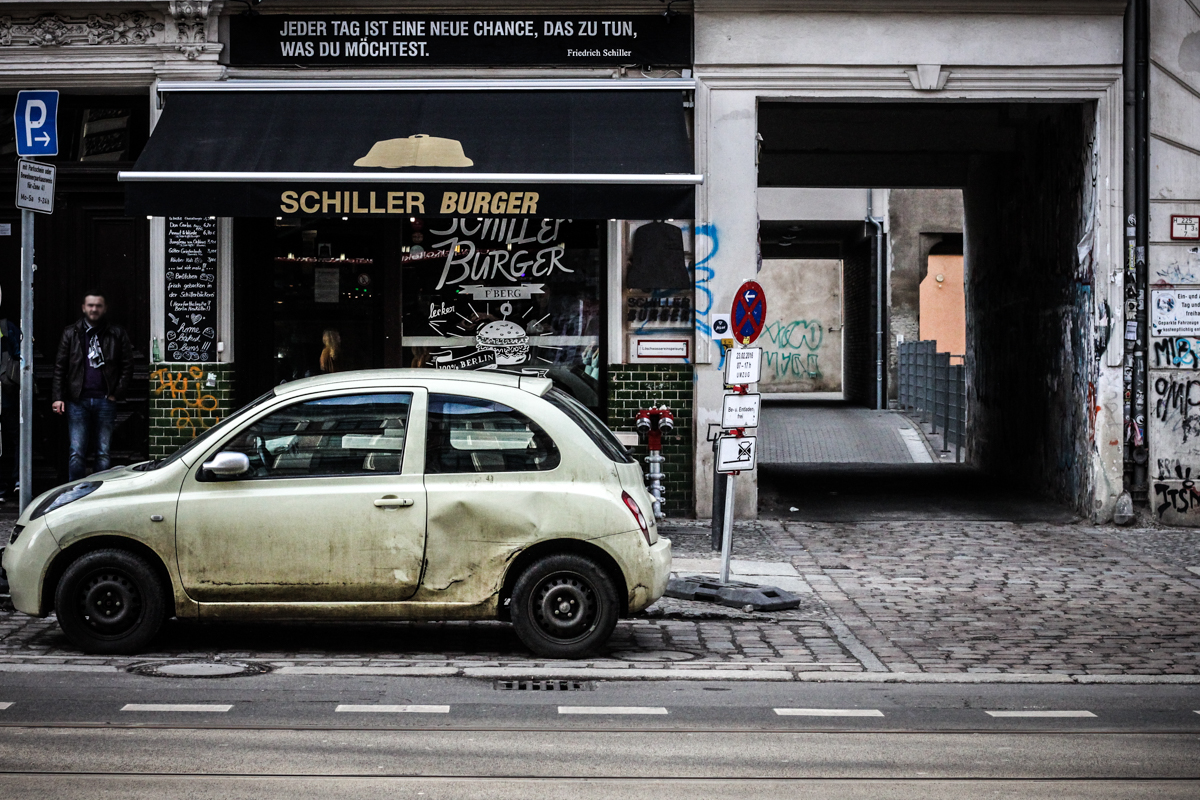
pixel 537 226
pixel 451 229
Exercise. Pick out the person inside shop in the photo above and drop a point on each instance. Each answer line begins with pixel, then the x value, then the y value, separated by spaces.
pixel 331 353
pixel 91 375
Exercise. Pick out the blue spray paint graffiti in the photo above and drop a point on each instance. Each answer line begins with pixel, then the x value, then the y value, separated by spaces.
pixel 1177 352
pixel 704 274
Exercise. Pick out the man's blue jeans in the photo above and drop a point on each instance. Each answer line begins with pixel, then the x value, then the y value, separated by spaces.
pixel 90 421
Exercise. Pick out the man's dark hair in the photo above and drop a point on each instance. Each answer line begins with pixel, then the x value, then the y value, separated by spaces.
pixel 86 295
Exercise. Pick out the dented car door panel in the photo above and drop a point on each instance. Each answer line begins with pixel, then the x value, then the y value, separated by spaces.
pixel 298 540
pixel 479 523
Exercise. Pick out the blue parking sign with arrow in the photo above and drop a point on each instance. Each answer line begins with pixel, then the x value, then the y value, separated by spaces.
pixel 35 120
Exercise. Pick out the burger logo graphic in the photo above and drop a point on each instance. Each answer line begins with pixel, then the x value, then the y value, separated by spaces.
pixel 507 340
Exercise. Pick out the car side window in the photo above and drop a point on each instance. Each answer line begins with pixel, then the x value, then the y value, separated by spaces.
pixel 360 434
pixel 469 434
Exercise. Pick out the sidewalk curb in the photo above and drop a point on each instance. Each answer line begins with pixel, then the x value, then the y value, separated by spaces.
pixel 697 672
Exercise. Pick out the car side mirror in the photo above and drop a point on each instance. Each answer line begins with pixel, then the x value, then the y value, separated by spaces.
pixel 228 464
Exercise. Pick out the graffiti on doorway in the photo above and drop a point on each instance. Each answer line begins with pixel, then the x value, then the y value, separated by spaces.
pixel 191 410
pixel 1177 352
pixel 791 348
pixel 1176 402
pixel 1180 499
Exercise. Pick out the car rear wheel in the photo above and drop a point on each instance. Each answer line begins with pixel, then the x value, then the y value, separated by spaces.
pixel 110 602
pixel 564 606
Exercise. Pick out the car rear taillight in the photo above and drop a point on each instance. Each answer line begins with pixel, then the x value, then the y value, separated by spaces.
pixel 640 518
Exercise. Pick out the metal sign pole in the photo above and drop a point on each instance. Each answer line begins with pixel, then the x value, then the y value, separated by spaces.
pixel 727 529
pixel 25 470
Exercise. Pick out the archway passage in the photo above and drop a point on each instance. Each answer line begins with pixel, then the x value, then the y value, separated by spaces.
pixel 1029 358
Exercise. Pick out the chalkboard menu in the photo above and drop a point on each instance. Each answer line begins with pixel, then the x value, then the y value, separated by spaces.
pixel 191 307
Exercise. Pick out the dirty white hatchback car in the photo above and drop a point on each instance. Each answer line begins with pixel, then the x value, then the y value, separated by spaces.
pixel 390 494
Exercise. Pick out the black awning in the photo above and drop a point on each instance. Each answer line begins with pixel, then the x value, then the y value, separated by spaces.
pixel 589 154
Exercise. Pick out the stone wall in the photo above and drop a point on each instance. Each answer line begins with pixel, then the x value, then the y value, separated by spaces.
pixel 634 386
pixel 1030 352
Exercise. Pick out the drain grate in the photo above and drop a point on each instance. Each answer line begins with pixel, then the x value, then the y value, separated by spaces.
pixel 545 686
pixel 199 669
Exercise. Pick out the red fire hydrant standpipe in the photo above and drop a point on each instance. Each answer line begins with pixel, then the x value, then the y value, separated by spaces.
pixel 654 422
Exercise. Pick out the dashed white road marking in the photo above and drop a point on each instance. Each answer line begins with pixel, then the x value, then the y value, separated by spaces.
pixel 6 705
pixel 384 709
pixel 175 707
pixel 1039 713
pixel 829 712
pixel 611 710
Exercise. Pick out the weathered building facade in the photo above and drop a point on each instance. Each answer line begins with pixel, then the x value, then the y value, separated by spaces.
pixel 793 113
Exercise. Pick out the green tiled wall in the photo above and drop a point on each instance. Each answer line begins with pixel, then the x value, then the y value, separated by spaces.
pixel 634 386
pixel 183 405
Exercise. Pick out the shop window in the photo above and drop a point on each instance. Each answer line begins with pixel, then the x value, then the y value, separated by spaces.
pixel 469 434
pixel 327 310
pixel 658 317
pixel 347 435
pixel 506 294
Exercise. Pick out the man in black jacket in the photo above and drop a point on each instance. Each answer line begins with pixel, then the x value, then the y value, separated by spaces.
pixel 91 374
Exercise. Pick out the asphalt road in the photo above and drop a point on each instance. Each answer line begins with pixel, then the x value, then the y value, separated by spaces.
pixel 121 735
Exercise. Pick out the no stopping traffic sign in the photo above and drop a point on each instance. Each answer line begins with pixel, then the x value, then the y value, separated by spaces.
pixel 749 312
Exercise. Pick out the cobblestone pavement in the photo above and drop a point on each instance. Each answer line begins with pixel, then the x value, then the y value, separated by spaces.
pixel 1008 597
pixel 898 597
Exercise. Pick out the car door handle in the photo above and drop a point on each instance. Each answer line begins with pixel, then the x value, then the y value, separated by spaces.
pixel 391 501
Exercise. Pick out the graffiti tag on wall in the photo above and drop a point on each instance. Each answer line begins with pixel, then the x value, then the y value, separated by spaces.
pixel 1177 352
pixel 188 405
pixel 1180 499
pixel 792 348
pixel 1176 402
pixel 706 236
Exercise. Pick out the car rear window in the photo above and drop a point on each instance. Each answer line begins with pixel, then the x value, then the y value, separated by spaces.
pixel 470 434
pixel 596 430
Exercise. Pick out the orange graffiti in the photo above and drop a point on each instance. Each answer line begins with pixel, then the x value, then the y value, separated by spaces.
pixel 184 390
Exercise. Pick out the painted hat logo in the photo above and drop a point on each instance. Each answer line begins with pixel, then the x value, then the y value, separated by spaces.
pixel 419 150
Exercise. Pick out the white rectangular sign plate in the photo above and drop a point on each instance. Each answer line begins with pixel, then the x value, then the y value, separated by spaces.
pixel 743 366
pixel 1175 312
pixel 1185 227
pixel 662 348
pixel 740 411
pixel 737 455
pixel 35 186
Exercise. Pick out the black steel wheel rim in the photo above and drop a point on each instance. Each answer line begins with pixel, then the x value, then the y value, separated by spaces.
pixel 110 602
pixel 565 606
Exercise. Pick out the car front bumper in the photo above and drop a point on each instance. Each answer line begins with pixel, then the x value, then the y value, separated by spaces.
pixel 25 563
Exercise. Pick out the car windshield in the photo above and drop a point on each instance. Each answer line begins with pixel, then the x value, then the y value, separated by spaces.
pixel 596 430
pixel 210 433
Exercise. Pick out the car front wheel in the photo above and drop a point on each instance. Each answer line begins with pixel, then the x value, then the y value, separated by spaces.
pixel 110 602
pixel 564 606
